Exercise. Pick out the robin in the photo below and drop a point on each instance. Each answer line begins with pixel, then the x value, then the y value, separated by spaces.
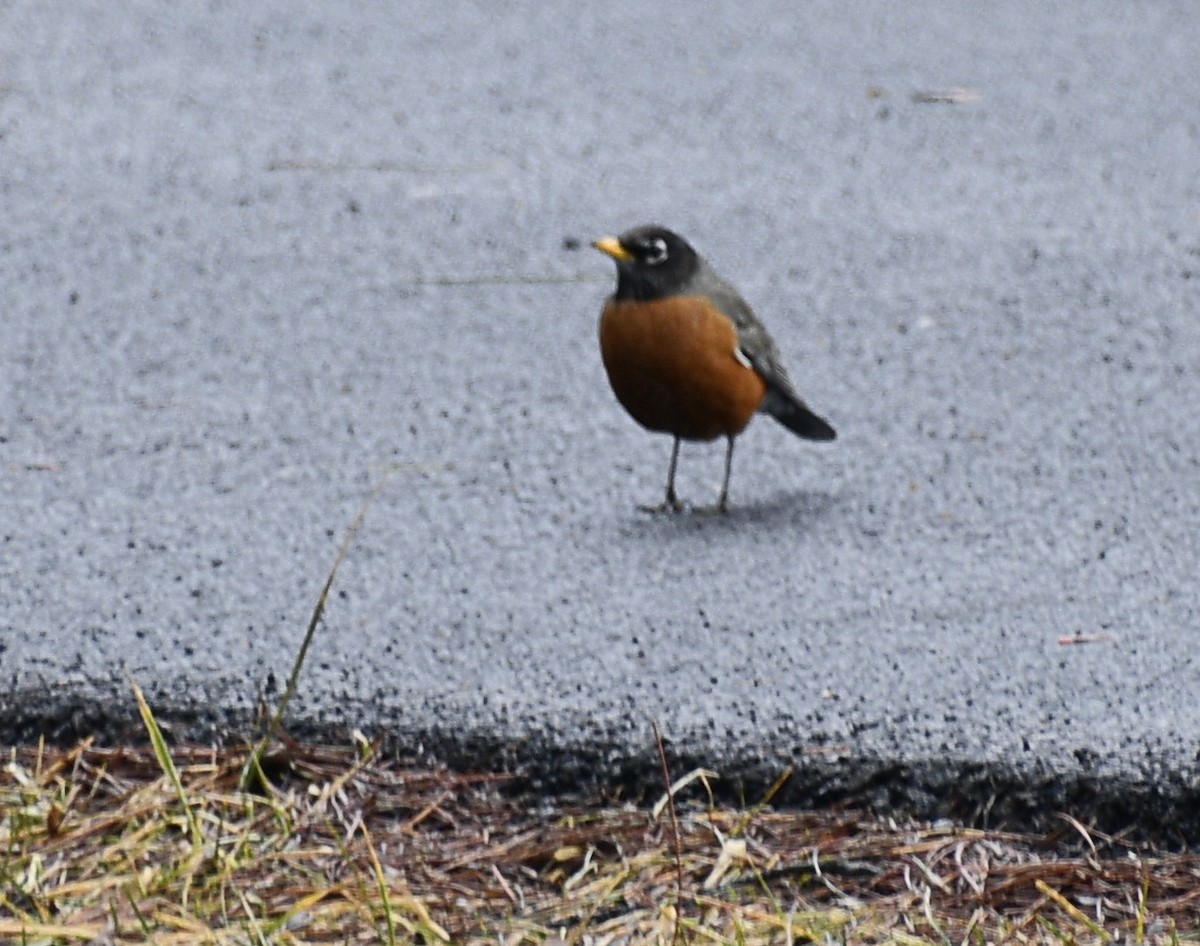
pixel 686 355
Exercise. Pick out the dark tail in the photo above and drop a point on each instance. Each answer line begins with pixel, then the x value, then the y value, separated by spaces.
pixel 796 417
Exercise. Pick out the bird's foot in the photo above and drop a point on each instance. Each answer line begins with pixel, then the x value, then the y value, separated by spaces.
pixel 722 506
pixel 668 507
pixel 670 504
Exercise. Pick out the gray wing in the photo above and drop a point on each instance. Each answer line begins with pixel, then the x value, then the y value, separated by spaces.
pixel 753 339
pixel 782 401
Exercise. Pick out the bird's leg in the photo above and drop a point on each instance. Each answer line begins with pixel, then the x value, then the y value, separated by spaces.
pixel 722 506
pixel 672 503
pixel 723 503
pixel 673 500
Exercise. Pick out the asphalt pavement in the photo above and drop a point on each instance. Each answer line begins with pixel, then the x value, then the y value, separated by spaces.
pixel 256 259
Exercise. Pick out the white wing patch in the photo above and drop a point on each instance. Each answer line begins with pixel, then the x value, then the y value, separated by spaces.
pixel 741 356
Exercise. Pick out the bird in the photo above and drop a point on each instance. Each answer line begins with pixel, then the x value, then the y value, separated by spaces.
pixel 686 355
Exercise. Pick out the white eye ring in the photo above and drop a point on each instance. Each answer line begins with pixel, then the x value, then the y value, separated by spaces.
pixel 656 251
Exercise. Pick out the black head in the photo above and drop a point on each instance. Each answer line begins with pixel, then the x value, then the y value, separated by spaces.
pixel 652 262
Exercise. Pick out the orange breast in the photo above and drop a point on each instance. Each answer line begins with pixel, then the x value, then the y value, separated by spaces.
pixel 672 365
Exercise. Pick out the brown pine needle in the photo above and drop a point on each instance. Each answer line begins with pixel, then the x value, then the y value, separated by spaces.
pixel 308 864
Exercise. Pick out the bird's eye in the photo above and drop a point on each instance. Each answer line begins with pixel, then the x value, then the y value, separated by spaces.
pixel 655 251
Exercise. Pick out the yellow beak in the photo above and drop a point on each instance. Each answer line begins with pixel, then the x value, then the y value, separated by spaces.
pixel 612 246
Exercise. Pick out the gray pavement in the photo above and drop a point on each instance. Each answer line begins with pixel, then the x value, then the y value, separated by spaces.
pixel 255 257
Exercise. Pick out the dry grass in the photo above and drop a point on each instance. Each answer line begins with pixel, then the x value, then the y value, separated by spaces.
pixel 335 845
pixel 284 843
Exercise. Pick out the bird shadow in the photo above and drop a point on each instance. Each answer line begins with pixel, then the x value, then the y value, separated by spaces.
pixel 786 511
